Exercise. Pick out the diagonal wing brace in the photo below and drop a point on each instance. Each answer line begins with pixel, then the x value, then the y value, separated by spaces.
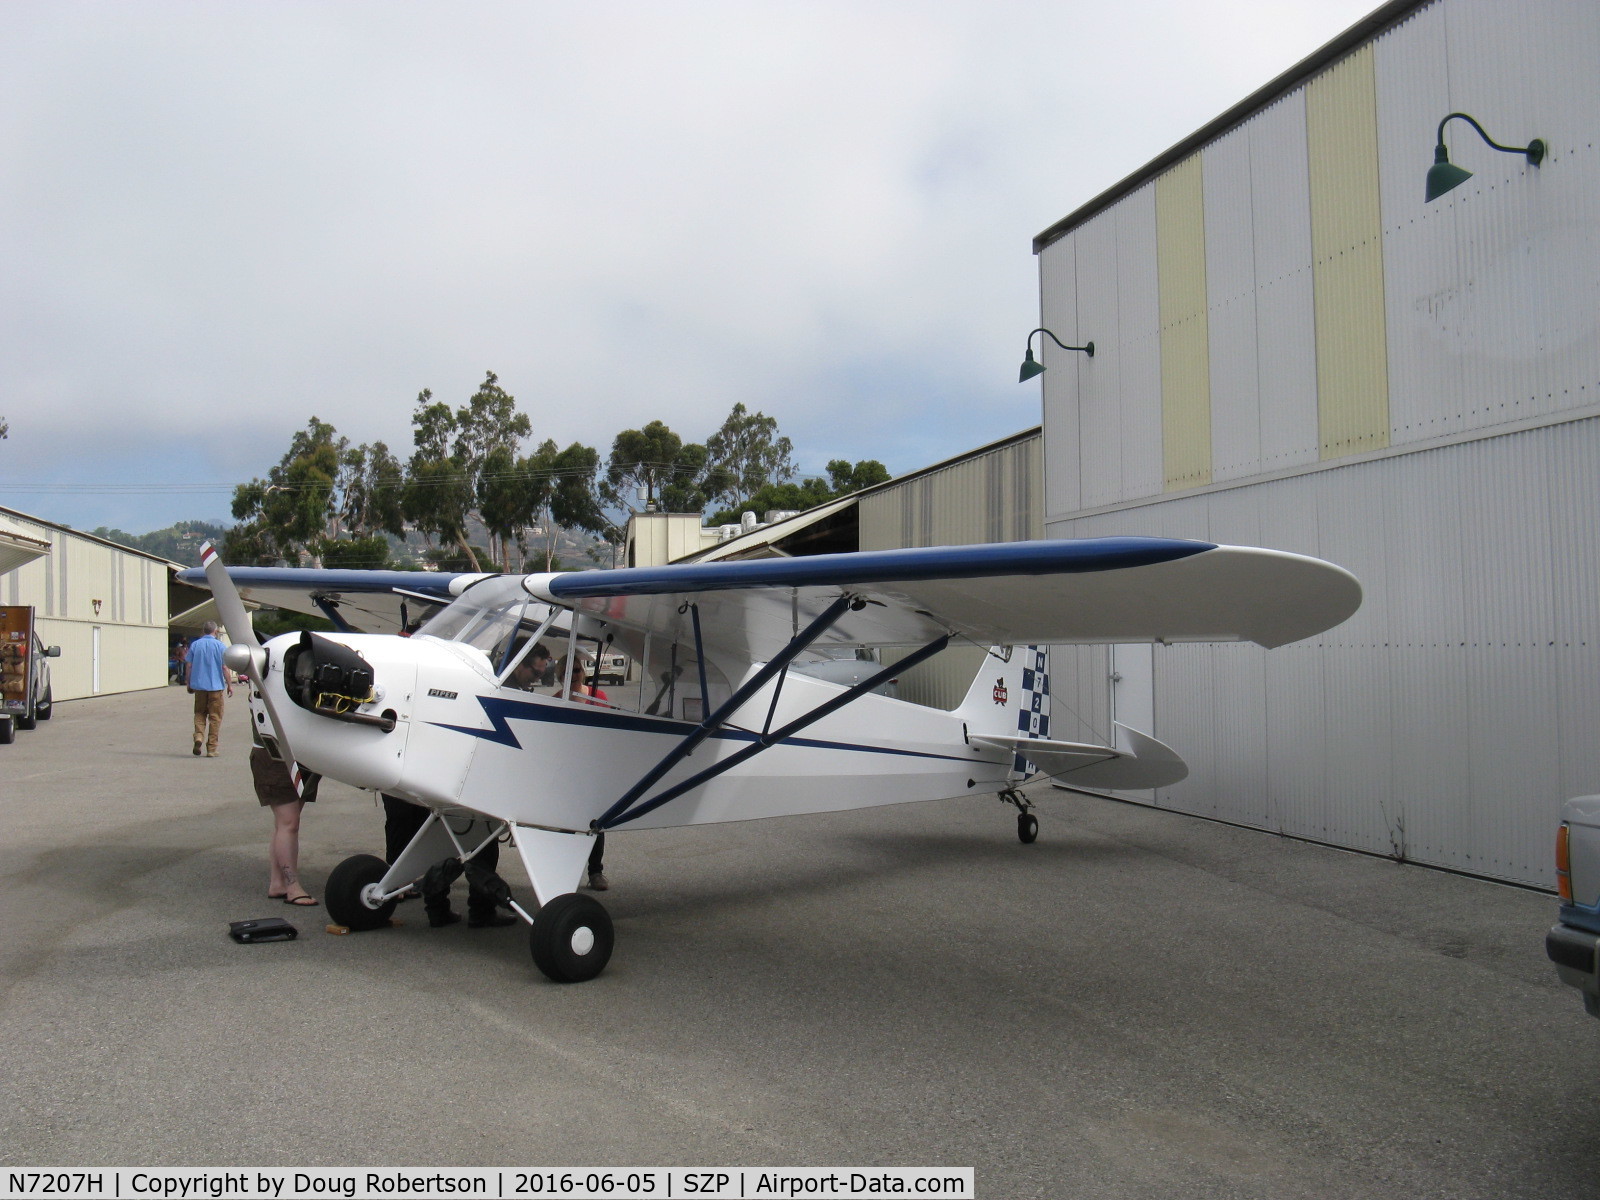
pixel 718 719
pixel 620 813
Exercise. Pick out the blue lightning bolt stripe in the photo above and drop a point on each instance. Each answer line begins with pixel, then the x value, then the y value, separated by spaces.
pixel 502 711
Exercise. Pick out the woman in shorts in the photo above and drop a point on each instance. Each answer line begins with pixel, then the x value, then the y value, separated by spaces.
pixel 275 790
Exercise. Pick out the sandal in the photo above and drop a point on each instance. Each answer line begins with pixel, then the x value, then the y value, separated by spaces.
pixel 303 900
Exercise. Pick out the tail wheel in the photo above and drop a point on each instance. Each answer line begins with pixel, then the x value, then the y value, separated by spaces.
pixel 571 938
pixel 1027 828
pixel 352 893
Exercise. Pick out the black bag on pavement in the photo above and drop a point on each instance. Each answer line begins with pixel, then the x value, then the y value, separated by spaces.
pixel 263 929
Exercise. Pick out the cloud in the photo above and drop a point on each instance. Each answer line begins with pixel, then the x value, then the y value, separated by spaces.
pixel 222 218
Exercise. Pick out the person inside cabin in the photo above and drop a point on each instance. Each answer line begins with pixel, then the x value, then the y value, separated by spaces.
pixel 531 671
pixel 580 689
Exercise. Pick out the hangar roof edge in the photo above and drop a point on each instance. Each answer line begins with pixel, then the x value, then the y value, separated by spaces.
pixel 1364 30
pixel 18 514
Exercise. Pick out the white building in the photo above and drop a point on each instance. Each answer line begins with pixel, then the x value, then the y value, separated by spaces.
pixel 1293 349
pixel 105 605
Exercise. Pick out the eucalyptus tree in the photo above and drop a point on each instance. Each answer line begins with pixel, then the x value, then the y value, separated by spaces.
pixel 672 473
pixel 461 460
pixel 746 454
pixel 571 491
pixel 293 507
pixel 371 488
pixel 438 492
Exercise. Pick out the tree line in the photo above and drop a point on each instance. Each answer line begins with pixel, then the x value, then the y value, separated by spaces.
pixel 475 469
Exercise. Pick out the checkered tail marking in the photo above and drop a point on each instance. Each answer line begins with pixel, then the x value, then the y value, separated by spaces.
pixel 1033 714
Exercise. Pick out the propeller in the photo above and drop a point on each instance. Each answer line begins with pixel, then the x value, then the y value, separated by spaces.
pixel 246 655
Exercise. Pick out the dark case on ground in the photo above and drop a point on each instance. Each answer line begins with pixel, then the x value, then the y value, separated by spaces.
pixel 263 929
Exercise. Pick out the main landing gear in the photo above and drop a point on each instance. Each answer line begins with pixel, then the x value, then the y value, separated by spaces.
pixel 571 938
pixel 353 895
pixel 1027 823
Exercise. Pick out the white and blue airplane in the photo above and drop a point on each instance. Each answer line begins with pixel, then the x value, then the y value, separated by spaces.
pixel 734 710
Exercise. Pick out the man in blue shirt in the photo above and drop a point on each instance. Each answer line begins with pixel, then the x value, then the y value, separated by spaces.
pixel 208 681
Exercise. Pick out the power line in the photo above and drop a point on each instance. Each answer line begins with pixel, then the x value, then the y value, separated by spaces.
pixel 56 487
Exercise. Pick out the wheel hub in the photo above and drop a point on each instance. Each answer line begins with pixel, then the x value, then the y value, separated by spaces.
pixel 582 940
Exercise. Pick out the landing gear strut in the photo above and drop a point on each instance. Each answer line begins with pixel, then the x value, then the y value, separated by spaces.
pixel 1027 823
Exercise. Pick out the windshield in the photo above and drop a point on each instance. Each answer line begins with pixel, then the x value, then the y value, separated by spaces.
pixel 486 616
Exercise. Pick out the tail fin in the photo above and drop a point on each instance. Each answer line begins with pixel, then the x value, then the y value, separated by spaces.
pixel 1010 697
pixel 1008 707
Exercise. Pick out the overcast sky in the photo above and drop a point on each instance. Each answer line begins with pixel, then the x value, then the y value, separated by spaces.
pixel 219 219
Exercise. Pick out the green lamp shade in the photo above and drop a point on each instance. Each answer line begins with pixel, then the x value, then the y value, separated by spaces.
pixel 1444 174
pixel 1030 368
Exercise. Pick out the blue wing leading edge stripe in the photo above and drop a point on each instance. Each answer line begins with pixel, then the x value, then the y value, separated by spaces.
pixel 822 570
pixel 883 566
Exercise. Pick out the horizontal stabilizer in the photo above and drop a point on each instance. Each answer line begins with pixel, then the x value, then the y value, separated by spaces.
pixel 1138 762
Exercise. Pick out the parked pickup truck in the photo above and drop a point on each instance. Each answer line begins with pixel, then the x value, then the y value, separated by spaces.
pixel 1573 943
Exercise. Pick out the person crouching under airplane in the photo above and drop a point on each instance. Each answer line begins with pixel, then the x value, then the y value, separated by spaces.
pixel 401 821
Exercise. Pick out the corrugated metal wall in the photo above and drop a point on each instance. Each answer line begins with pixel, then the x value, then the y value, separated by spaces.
pixel 991 497
pixel 1409 389
pixel 1448 719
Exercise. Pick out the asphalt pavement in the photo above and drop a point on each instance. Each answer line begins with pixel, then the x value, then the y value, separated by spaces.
pixel 1141 1004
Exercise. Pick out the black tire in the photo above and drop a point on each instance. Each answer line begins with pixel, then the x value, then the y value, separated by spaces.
pixel 43 709
pixel 345 893
pixel 25 722
pixel 8 731
pixel 571 938
pixel 1027 828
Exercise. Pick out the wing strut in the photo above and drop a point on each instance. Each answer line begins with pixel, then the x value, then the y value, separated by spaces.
pixel 719 718
pixel 619 813
pixel 331 611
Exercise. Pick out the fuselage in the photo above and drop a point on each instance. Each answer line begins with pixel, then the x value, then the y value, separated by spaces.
pixel 461 738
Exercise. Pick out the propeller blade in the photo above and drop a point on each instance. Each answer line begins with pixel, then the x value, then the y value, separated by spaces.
pixel 249 659
pixel 229 606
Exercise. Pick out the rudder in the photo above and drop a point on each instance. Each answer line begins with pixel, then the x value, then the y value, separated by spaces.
pixel 1010 697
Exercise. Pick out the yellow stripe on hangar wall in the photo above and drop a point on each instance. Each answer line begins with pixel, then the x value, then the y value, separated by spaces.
pixel 1185 330
pixel 1347 258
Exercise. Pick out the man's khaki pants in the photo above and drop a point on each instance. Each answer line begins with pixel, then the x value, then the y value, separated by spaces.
pixel 207 719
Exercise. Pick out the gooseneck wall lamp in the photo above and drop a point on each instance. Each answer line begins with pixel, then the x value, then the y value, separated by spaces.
pixel 1444 174
pixel 1032 367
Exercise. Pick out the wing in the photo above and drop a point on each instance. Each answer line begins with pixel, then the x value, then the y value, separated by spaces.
pixel 1014 593
pixel 365 601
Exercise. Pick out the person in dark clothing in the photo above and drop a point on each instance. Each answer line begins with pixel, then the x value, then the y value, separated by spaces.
pixel 597 864
pixel 585 693
pixel 401 821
